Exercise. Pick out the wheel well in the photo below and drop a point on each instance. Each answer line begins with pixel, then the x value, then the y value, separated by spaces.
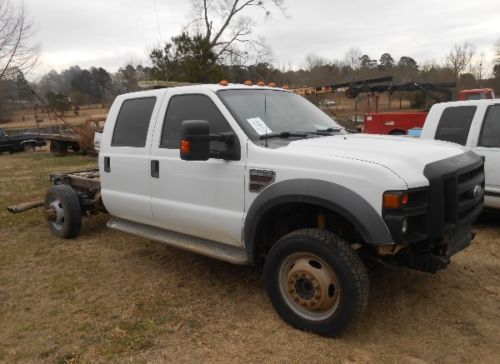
pixel 30 141
pixel 287 217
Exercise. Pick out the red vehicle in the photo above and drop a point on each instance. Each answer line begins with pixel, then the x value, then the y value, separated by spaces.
pixel 393 123
pixel 476 94
pixel 398 123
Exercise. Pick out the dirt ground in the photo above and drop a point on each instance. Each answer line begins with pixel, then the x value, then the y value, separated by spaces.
pixel 107 296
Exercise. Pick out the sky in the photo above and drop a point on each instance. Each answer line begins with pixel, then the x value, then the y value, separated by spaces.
pixel 113 33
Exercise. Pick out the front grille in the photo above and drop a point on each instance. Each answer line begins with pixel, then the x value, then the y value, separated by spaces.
pixel 455 192
pixel 469 198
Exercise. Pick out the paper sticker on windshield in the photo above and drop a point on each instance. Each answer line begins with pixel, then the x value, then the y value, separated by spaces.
pixel 259 126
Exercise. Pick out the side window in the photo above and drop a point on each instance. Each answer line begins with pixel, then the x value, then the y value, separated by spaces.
pixel 455 123
pixel 191 107
pixel 131 128
pixel 490 132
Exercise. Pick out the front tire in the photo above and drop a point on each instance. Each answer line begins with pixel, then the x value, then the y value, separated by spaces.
pixel 316 282
pixel 63 211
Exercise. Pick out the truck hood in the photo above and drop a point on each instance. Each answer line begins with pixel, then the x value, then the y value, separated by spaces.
pixel 404 156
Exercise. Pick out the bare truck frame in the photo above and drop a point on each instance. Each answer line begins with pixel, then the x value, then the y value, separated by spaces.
pixel 86 185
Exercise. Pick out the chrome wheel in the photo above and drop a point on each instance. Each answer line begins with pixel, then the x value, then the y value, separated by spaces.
pixel 56 216
pixel 309 286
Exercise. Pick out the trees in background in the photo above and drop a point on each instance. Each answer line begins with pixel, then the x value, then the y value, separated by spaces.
pixel 96 85
pixel 80 85
pixel 219 35
pixel 460 58
pixel 16 50
pixel 496 67
pixel 386 62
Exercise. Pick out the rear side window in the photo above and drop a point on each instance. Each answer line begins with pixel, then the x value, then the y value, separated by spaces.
pixel 191 107
pixel 132 124
pixel 455 123
pixel 490 133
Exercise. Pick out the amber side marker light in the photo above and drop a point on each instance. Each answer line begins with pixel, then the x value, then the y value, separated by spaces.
pixel 395 200
pixel 185 146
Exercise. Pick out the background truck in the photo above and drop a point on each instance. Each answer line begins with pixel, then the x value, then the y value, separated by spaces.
pixel 260 176
pixel 476 94
pixel 476 125
pixel 390 122
pixel 78 138
pixel 399 123
pixel 17 143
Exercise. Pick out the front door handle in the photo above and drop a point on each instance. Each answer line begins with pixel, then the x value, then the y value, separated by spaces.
pixel 155 169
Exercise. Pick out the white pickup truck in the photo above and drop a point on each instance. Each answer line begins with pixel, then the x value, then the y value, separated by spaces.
pixel 260 176
pixel 475 125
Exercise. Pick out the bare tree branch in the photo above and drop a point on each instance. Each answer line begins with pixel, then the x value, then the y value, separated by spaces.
pixel 223 24
pixel 460 57
pixel 15 31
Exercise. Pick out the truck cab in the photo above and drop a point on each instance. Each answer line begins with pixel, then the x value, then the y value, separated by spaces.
pixel 475 125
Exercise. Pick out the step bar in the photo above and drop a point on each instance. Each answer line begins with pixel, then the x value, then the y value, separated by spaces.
pixel 192 244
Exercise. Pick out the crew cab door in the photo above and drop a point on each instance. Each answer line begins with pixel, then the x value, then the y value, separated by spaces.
pixel 124 156
pixel 488 145
pixel 198 198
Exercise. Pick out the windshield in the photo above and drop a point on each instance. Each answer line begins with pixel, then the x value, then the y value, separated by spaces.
pixel 260 112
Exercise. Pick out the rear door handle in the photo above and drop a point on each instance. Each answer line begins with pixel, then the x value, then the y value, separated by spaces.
pixel 155 169
pixel 107 164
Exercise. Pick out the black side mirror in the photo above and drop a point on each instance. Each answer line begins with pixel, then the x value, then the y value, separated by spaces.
pixel 196 138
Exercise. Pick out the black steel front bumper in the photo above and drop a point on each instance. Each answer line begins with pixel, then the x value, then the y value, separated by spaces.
pixel 440 216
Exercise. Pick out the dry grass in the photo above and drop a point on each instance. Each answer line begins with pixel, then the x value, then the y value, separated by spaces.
pixel 108 296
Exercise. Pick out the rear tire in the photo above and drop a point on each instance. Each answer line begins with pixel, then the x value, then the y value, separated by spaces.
pixel 58 147
pixel 64 214
pixel 28 147
pixel 316 282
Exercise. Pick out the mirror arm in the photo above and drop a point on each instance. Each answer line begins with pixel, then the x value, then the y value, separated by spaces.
pixel 227 138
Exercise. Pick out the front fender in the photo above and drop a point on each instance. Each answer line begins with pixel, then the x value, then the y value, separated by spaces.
pixel 337 198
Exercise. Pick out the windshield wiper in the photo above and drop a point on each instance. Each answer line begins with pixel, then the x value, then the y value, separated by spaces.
pixel 329 130
pixel 284 134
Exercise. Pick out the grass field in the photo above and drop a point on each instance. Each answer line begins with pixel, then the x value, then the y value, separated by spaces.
pixel 106 296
